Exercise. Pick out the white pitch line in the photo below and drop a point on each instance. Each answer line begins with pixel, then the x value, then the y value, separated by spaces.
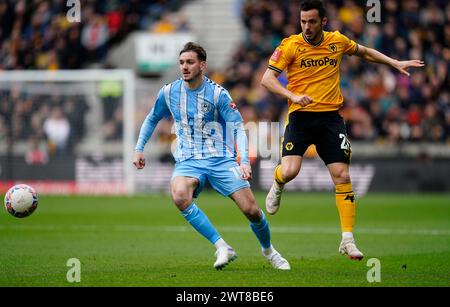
pixel 229 229
pixel 322 230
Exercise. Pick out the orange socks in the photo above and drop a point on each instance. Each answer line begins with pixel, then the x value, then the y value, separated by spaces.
pixel 345 202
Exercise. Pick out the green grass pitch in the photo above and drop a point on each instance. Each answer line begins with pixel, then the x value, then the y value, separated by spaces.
pixel 144 241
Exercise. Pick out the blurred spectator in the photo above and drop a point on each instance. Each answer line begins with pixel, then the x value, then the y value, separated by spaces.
pixel 431 123
pixel 94 37
pixel 164 25
pixel 75 109
pixel 112 129
pixel 36 155
pixel 57 130
pixel 111 92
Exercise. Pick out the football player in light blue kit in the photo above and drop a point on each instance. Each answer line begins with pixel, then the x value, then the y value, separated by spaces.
pixel 207 125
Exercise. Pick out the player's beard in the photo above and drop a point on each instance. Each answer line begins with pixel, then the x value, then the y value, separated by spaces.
pixel 194 77
pixel 316 35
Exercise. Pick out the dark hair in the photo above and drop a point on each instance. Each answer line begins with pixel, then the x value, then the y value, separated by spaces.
pixel 201 53
pixel 308 5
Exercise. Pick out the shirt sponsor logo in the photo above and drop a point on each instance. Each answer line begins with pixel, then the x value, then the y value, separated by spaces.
pixel 321 62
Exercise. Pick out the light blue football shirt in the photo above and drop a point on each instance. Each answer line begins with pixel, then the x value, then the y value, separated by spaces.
pixel 207 122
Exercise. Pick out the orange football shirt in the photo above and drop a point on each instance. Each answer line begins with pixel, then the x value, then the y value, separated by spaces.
pixel 313 70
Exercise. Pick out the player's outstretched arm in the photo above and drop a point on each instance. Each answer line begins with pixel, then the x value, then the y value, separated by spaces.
pixel 139 160
pixel 271 83
pixel 375 56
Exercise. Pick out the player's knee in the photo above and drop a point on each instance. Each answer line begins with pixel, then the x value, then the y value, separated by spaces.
pixel 252 211
pixel 342 176
pixel 181 199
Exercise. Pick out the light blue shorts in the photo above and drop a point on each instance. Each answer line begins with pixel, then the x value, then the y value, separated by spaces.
pixel 222 173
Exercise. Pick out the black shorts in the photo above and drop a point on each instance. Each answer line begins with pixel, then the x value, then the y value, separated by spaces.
pixel 326 130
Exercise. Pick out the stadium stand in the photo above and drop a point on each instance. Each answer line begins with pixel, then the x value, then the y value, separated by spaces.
pixel 37 35
pixel 380 104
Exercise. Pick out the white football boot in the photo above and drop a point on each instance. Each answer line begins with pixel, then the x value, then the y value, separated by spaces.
pixel 277 261
pixel 273 198
pixel 349 249
pixel 224 256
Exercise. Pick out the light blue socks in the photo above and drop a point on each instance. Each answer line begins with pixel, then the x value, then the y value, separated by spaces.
pixel 198 219
pixel 262 231
pixel 201 223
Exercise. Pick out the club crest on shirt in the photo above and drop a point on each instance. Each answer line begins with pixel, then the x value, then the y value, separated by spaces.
pixel 233 105
pixel 332 47
pixel 206 107
pixel 276 55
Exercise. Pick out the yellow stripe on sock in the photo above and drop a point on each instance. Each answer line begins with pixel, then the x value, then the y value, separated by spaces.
pixel 277 175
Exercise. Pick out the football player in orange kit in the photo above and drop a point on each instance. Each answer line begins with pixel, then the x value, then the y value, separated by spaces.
pixel 312 60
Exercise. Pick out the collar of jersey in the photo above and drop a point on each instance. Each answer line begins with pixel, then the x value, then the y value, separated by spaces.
pixel 318 43
pixel 202 85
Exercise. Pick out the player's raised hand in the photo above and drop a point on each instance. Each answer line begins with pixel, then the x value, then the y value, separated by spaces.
pixel 139 160
pixel 302 100
pixel 402 66
pixel 246 170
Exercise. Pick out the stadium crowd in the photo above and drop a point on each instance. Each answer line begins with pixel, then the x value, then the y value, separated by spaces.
pixel 36 34
pixel 379 104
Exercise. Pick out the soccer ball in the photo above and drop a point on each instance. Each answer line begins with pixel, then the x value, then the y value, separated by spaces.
pixel 21 200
